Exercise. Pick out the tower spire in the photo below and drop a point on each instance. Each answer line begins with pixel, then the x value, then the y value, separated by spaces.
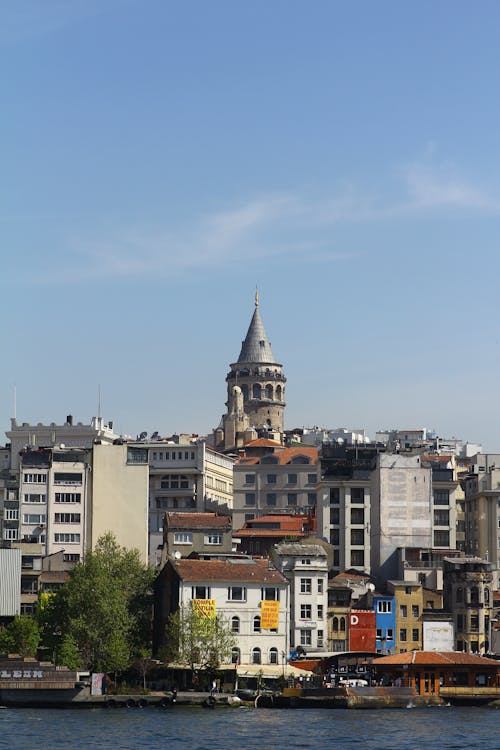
pixel 256 296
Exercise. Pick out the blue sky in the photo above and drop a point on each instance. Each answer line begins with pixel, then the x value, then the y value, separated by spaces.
pixel 160 159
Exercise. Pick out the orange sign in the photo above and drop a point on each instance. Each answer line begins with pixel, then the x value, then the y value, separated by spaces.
pixel 269 614
pixel 205 607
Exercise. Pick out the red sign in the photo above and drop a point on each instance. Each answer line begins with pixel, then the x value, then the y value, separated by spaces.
pixel 362 631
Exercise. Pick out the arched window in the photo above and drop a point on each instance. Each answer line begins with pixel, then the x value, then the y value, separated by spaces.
pixel 486 596
pixel 335 623
pixel 474 595
pixel 235 624
pixel 278 393
pixel 342 623
pixel 256 390
pixel 256 624
pixel 244 390
pixel 235 656
pixel 273 656
pixel 269 391
pixel 256 657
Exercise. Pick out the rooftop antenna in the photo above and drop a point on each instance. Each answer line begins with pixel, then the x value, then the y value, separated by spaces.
pixel 15 401
pixel 99 401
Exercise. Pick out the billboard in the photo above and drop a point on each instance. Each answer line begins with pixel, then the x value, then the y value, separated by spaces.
pixel 438 636
pixel 205 607
pixel 269 614
pixel 362 630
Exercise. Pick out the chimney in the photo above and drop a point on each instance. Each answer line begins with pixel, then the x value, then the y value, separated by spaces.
pixel 69 420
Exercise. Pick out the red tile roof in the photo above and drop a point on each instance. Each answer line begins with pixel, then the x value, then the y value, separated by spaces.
pixel 284 455
pixel 263 443
pixel 238 571
pixel 196 521
pixel 436 658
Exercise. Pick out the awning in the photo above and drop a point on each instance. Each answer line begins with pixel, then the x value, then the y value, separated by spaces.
pixel 271 670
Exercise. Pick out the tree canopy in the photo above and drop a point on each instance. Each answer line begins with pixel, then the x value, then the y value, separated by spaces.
pixel 21 636
pixel 198 640
pixel 102 617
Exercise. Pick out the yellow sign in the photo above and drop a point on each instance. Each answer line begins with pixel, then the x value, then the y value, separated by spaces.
pixel 269 614
pixel 204 607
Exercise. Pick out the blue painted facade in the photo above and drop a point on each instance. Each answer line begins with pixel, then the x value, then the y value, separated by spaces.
pixel 385 623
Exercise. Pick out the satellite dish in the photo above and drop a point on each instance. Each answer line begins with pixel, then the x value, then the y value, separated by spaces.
pixel 177 554
pixel 143 436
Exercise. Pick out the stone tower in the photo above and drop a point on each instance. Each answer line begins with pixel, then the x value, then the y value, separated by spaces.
pixel 255 390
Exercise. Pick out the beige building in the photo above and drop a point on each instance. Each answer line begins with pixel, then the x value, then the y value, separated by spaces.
pixel 205 534
pixel 482 502
pixel 411 601
pixel 119 497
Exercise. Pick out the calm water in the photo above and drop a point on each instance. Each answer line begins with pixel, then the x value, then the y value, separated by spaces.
pixel 250 729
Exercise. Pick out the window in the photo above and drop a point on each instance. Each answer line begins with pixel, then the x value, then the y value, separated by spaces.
pixel 441 538
pixel 71 557
pixel 35 478
pixel 358 557
pixel 10 534
pixel 235 624
pixel 249 498
pixel 256 624
pixel 249 478
pixel 385 606
pixel 68 497
pixel 357 537
pixel 441 497
pixel 137 455
pixel 459 595
pixel 311 498
pixel 390 634
pixel 415 610
pixel 357 515
pixel 305 638
pixel 271 478
pixel 320 585
pixel 320 637
pixel 311 479
pixel 236 593
pixel 335 515
pixel 67 538
pixel 403 610
pixel 460 622
pixel 270 594
pixel 441 517
pixel 305 611
pixel 213 539
pixel 67 518
pixel 415 634
pixel 334 495
pixel 357 494
pixel 68 477
pixel 305 585
pixel 200 592
pixel 335 536
pixel 256 656
pixel 273 655
pixel 292 479
pixel 11 514
pixel 271 498
pixel 474 623
pixel 378 634
pixel 320 612
pixel 183 537
pixel 291 499
pixel 402 635
pixel 34 498
pixel 34 518
pixel 306 561
pixel 235 655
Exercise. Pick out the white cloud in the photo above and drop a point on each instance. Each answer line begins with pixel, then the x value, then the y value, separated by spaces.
pixel 287 224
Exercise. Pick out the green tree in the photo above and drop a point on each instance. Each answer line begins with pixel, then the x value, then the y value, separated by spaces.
pixel 197 640
pixel 102 616
pixel 21 636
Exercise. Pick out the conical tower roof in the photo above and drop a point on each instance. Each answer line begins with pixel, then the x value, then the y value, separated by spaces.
pixel 256 348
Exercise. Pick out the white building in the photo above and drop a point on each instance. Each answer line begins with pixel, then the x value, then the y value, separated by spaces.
pixel 305 566
pixel 241 591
